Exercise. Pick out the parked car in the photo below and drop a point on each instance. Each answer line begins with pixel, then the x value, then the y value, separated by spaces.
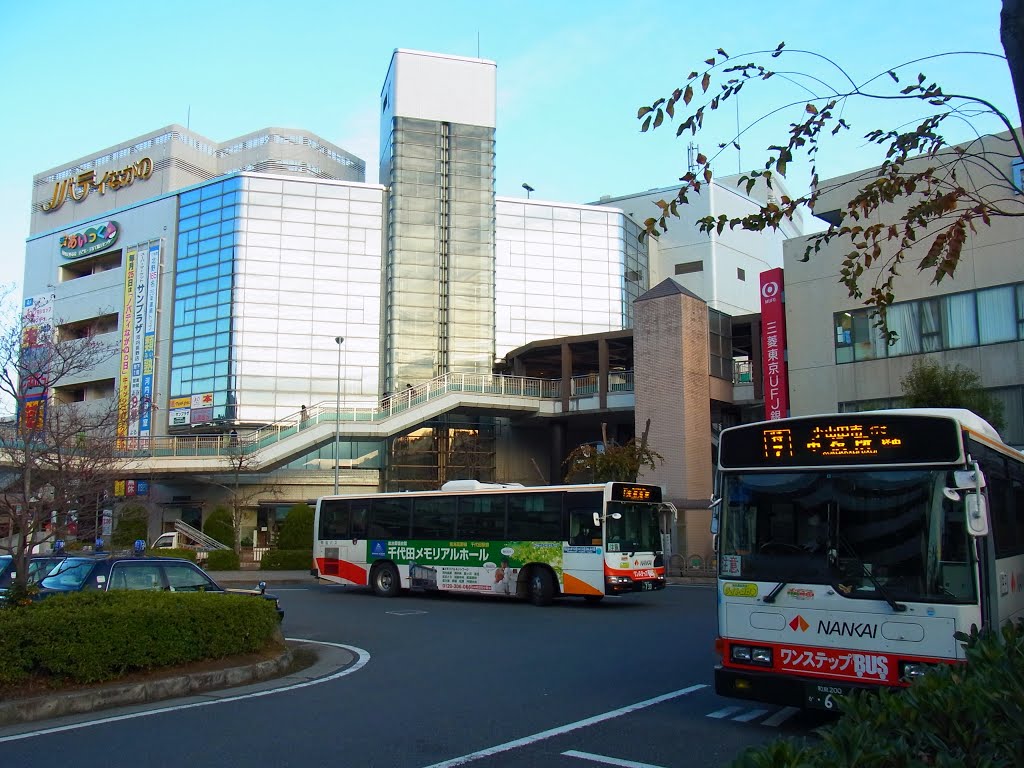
pixel 38 567
pixel 109 572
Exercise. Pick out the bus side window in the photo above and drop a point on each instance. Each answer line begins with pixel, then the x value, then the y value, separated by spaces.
pixel 359 512
pixel 334 519
pixel 581 528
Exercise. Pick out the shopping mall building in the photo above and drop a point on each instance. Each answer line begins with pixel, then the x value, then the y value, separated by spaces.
pixel 392 336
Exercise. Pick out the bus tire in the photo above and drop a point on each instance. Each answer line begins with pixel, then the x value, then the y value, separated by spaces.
pixel 385 580
pixel 541 586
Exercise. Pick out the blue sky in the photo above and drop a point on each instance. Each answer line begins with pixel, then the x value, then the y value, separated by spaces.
pixel 80 76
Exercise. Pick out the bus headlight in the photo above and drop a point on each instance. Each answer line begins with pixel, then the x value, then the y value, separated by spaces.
pixel 751 654
pixel 912 670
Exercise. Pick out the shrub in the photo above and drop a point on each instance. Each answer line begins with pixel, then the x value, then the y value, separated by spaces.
pixel 222 560
pixel 89 637
pixel 218 525
pixel 188 554
pixel 286 560
pixel 297 529
pixel 132 524
pixel 957 715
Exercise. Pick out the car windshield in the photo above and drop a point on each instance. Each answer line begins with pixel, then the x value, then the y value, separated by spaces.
pixel 71 574
pixel 857 531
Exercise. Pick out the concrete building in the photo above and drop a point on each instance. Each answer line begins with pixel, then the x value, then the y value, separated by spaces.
pixel 839 362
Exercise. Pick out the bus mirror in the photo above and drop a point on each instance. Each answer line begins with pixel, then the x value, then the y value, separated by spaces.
pixel 969 478
pixel 977 514
pixel 714 523
pixel 597 519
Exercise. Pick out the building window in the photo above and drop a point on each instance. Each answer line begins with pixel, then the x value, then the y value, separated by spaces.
pixel 741 274
pixel 955 321
pixel 689 266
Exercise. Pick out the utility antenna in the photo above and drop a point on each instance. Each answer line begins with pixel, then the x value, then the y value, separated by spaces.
pixel 478 43
pixel 188 118
pixel 691 157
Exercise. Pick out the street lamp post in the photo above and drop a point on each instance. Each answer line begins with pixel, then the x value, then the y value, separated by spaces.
pixel 337 417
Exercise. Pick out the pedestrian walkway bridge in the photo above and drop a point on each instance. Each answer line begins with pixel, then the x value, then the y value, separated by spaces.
pixel 297 435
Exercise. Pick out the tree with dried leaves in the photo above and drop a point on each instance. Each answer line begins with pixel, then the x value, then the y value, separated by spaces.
pixel 61 457
pixel 242 463
pixel 610 462
pixel 919 205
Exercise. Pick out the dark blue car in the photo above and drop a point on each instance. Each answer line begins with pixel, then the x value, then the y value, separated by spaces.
pixel 110 572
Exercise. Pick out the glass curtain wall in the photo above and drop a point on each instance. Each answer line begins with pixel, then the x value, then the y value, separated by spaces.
pixel 208 221
pixel 439 275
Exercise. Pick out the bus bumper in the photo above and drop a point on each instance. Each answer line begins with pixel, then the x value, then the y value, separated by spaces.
pixel 621 585
pixel 803 692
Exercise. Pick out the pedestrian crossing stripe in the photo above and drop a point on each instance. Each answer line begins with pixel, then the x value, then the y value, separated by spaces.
pixel 746 715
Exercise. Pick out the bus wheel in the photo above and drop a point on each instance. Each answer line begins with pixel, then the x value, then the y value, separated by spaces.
pixel 541 587
pixel 385 580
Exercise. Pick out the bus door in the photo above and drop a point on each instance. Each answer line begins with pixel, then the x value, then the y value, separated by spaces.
pixel 343 532
pixel 583 554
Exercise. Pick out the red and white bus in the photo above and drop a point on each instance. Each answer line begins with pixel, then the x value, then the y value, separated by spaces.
pixel 531 542
pixel 853 546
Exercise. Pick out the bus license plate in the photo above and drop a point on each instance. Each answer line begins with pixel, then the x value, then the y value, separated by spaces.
pixel 824 696
pixel 646 586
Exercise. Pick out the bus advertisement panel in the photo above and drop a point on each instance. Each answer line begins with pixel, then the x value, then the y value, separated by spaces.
pixel 531 542
pixel 852 547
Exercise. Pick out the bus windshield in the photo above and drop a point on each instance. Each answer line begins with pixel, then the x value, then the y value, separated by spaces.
pixel 635 530
pixel 860 531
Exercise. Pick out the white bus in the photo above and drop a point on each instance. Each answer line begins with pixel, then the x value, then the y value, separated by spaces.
pixel 530 542
pixel 853 546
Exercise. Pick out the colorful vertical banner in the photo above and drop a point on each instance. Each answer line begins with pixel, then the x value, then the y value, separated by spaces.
pixel 773 344
pixel 149 345
pixel 138 341
pixel 36 339
pixel 124 414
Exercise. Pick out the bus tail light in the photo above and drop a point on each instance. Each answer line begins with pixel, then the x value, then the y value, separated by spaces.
pixel 720 647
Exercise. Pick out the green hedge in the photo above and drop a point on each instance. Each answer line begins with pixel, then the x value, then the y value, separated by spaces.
pixel 89 637
pixel 222 560
pixel 188 554
pixel 964 715
pixel 297 529
pixel 287 560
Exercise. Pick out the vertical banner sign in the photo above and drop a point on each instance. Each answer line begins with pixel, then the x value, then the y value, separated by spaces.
pixel 36 339
pixel 138 339
pixel 124 381
pixel 773 345
pixel 149 346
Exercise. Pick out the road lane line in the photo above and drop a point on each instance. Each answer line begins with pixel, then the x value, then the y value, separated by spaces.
pixel 563 729
pixel 609 760
pixel 363 657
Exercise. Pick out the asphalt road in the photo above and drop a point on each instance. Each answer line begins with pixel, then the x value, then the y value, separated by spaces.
pixel 446 681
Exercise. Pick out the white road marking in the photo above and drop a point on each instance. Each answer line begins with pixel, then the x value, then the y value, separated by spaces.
pixel 608 760
pixel 361 661
pixel 753 714
pixel 722 713
pixel 563 729
pixel 780 717
pixel 409 612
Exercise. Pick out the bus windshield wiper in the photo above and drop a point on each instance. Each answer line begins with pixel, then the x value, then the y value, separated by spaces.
pixel 770 597
pixel 898 607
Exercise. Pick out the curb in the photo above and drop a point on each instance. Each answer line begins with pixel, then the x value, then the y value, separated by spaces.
pixel 114 695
